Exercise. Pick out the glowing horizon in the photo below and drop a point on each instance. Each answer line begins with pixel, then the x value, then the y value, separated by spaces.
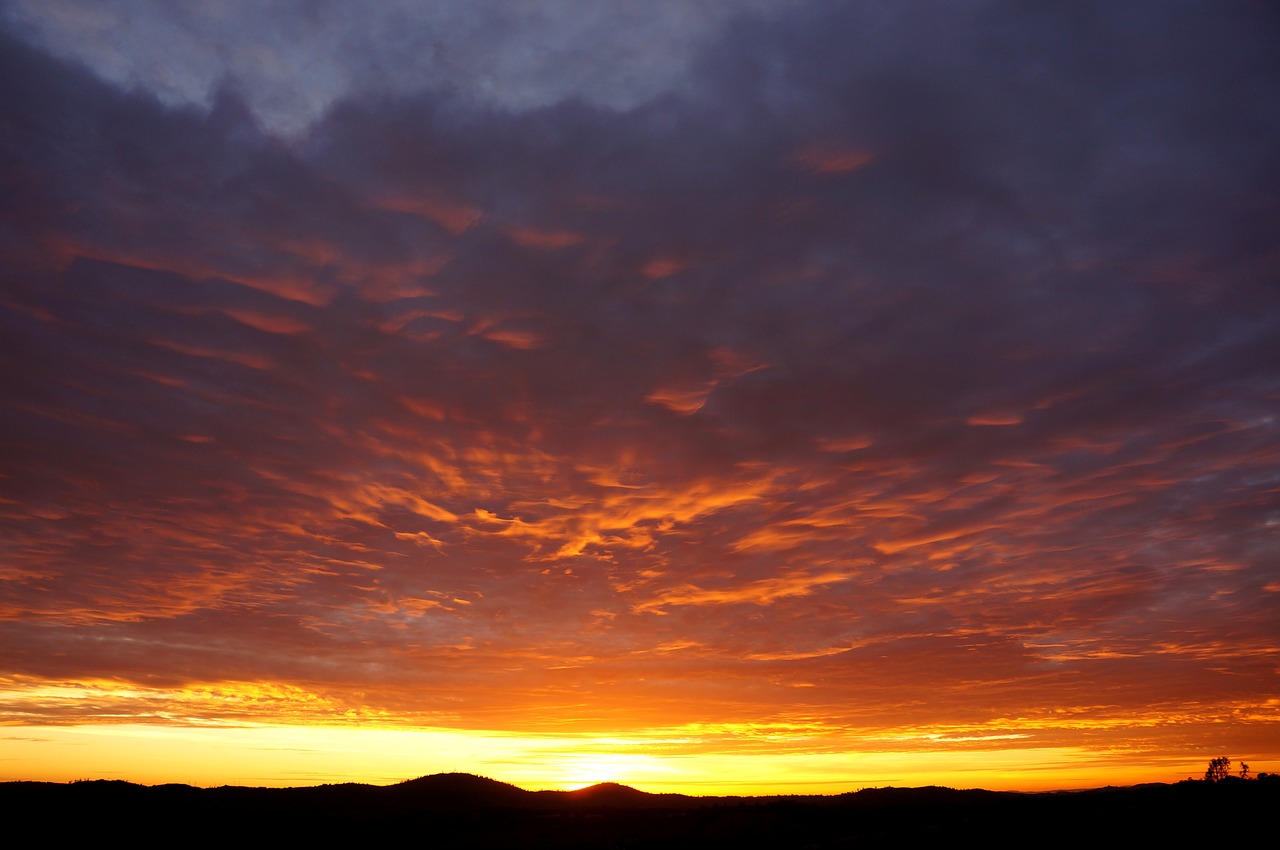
pixel 765 394
pixel 297 756
pixel 206 738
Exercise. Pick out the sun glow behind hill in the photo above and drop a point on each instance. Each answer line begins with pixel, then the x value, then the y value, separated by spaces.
pixel 688 760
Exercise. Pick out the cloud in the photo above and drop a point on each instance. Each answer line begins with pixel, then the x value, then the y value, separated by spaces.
pixel 889 354
pixel 761 592
pixel 507 53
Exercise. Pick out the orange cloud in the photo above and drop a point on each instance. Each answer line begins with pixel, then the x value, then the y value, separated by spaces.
pixel 274 324
pixel 685 400
pixel 528 237
pixel 761 592
pixel 454 216
pixel 663 267
pixel 995 419
pixel 829 158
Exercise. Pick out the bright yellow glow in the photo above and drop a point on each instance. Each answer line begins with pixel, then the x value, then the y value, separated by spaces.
pixel 579 771
pixel 264 755
pixel 232 733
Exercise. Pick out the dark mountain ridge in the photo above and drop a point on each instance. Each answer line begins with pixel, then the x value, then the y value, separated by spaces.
pixel 463 810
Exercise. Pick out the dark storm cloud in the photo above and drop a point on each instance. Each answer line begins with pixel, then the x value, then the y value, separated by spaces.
pixel 891 344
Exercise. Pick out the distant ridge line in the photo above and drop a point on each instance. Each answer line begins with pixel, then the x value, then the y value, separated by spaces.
pixel 465 810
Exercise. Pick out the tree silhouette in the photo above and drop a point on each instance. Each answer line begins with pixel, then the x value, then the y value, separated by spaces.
pixel 1219 769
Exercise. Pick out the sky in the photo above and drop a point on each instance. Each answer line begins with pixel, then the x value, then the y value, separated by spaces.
pixel 759 396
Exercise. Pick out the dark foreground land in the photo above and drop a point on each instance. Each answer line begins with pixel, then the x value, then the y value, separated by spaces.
pixel 464 811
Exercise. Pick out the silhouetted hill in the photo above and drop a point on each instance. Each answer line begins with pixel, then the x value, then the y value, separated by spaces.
pixel 463 789
pixel 614 795
pixel 461 810
pixel 610 791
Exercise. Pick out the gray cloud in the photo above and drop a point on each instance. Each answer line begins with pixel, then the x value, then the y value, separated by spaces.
pixel 293 60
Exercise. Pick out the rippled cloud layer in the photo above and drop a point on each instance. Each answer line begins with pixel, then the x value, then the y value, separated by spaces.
pixel 866 370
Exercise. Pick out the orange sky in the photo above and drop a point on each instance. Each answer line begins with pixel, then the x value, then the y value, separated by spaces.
pixel 822 400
